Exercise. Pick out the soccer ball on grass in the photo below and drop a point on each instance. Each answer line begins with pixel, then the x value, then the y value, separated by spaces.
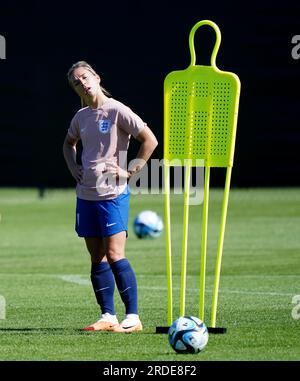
pixel 148 224
pixel 188 334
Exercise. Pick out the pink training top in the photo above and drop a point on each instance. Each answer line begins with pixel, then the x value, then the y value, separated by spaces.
pixel 105 135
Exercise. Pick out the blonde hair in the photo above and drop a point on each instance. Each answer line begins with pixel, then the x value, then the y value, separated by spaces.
pixel 90 69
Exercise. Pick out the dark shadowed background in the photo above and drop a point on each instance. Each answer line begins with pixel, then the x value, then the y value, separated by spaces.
pixel 133 45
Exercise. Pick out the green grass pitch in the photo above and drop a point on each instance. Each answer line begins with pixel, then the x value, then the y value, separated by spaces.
pixel 44 278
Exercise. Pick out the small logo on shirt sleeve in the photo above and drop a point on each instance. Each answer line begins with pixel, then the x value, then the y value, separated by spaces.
pixel 104 126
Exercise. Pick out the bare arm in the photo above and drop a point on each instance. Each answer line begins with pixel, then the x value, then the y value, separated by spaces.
pixel 148 144
pixel 69 152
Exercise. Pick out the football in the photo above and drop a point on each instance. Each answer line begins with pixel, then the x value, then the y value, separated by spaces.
pixel 188 334
pixel 148 224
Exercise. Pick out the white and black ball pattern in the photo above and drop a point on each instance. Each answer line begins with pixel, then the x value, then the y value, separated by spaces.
pixel 188 334
pixel 148 224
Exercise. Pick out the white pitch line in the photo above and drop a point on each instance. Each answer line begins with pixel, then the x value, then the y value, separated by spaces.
pixel 74 279
pixel 81 281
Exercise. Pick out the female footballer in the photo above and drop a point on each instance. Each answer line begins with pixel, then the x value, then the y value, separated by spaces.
pixel 104 128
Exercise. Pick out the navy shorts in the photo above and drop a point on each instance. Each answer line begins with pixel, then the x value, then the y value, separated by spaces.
pixel 102 218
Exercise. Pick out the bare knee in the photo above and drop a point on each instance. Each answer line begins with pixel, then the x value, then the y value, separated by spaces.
pixel 98 258
pixel 95 247
pixel 114 255
pixel 115 247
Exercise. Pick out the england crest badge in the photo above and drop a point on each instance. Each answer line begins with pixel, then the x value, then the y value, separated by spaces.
pixel 104 126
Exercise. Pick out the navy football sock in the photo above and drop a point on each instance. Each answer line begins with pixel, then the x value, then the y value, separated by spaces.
pixel 103 282
pixel 126 283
